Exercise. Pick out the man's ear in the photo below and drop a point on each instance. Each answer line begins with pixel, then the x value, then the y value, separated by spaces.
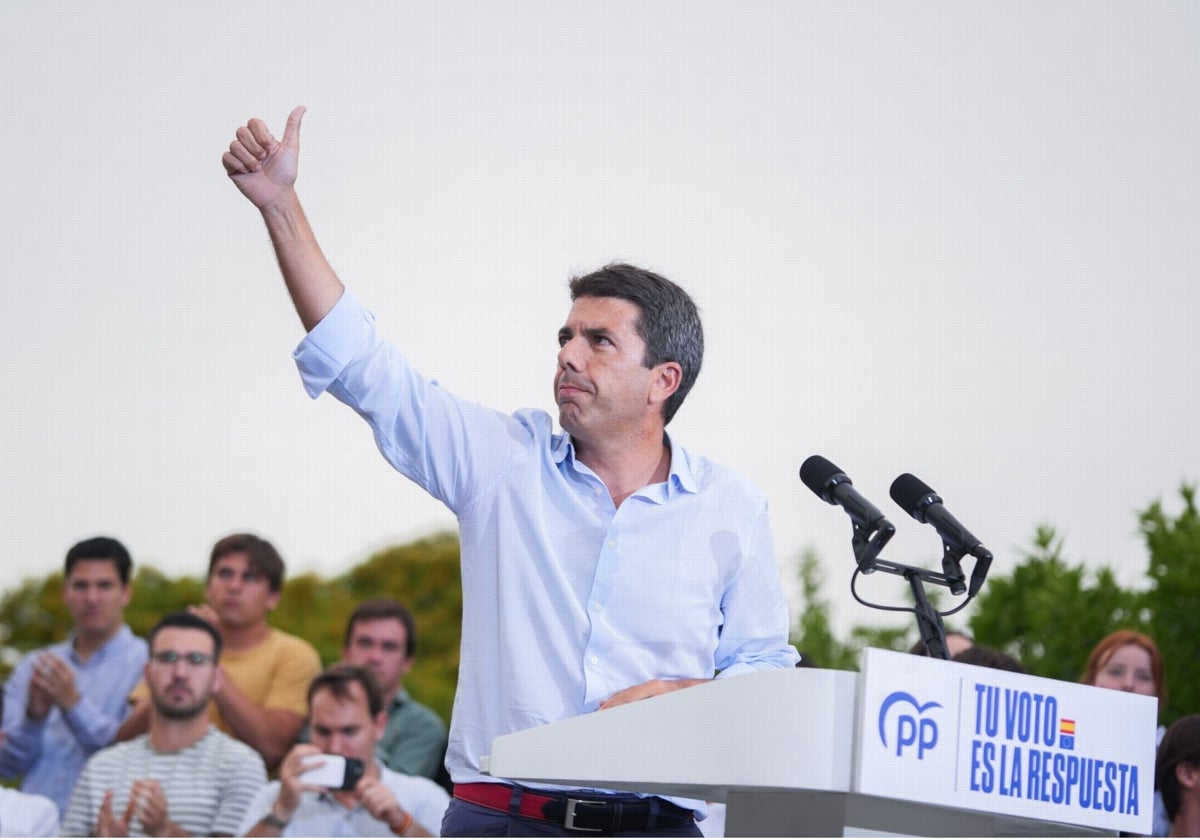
pixel 1188 775
pixel 667 379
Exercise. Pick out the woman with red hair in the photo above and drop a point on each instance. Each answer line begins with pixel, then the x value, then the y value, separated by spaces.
pixel 1127 660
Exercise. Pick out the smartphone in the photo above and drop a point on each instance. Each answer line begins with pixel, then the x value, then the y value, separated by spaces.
pixel 337 773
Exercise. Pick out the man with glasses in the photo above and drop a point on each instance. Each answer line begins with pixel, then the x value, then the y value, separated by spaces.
pixel 266 672
pixel 184 777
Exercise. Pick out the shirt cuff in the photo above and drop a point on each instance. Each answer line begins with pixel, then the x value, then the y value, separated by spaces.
pixel 333 343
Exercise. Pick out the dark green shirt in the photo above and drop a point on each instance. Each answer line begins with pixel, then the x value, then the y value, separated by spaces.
pixel 414 742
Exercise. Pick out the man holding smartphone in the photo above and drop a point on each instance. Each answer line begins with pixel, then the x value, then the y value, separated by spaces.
pixel 334 786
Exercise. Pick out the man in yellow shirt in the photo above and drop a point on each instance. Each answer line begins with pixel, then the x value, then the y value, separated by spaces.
pixel 263 696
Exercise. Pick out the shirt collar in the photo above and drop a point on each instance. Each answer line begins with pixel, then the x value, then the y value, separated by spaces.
pixel 120 636
pixel 680 479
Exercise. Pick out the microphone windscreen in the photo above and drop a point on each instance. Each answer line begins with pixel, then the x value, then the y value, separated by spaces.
pixel 908 491
pixel 815 472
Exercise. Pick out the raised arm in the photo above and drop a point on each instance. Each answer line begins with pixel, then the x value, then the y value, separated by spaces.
pixel 264 169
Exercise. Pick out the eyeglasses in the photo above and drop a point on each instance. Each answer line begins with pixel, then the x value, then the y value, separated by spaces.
pixel 170 657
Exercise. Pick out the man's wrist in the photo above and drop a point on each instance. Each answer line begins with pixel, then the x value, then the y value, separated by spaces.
pixel 400 827
pixel 273 819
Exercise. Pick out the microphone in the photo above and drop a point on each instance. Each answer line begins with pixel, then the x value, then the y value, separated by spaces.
pixel 834 486
pixel 922 504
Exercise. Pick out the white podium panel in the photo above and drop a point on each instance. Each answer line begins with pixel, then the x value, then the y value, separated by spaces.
pixel 913 746
pixel 961 736
pixel 770 730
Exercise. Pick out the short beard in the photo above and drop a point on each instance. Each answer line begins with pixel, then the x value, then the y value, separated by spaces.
pixel 181 712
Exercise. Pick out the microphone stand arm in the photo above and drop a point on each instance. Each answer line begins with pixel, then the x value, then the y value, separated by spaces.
pixel 929 622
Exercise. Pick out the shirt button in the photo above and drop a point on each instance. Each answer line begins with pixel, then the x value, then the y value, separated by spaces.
pixel 598 607
pixel 595 660
pixel 612 543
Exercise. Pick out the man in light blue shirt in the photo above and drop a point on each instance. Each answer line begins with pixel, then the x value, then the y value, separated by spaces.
pixel 602 564
pixel 65 702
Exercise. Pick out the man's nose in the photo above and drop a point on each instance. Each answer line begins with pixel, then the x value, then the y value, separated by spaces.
pixel 568 354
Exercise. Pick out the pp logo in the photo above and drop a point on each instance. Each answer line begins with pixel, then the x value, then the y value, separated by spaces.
pixel 912 729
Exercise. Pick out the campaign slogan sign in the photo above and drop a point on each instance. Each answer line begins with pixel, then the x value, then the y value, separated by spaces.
pixel 985 740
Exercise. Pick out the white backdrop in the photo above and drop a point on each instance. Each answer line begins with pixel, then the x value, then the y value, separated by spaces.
pixel 953 239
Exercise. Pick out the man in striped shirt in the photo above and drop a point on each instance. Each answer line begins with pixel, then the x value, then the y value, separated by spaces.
pixel 184 777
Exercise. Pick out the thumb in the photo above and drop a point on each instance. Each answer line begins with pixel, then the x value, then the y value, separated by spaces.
pixel 291 132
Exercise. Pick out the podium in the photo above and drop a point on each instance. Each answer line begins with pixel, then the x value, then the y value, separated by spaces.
pixel 909 746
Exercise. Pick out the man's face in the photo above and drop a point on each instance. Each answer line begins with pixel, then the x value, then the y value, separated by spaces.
pixel 380 644
pixel 344 726
pixel 601 386
pixel 181 688
pixel 240 593
pixel 96 598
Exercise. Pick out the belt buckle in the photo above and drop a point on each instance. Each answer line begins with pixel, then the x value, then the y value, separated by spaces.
pixel 569 819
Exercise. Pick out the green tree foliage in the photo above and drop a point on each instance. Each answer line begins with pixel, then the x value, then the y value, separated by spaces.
pixel 1172 603
pixel 424 575
pixel 814 636
pixel 1049 613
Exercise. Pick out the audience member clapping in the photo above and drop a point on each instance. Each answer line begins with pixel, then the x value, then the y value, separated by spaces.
pixel 65 702
pixel 265 671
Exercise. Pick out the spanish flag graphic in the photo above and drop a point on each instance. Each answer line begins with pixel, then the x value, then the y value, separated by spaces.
pixel 1066 734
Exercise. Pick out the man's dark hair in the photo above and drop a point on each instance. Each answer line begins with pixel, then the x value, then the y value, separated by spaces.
pixel 263 557
pixel 337 681
pixel 374 609
pixel 987 657
pixel 100 548
pixel 1181 745
pixel 668 320
pixel 190 622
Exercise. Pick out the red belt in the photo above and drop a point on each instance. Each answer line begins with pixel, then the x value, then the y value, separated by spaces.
pixel 591 814
pixel 499 797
